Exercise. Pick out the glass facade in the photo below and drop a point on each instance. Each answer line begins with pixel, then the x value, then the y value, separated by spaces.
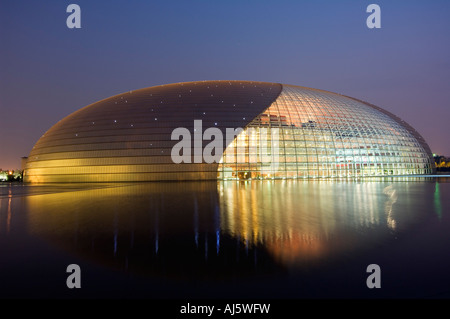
pixel 288 132
pixel 308 133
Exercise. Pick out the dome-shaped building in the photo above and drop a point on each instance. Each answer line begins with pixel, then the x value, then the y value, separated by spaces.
pixel 227 130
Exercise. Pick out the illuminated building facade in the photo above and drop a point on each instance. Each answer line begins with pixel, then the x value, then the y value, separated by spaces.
pixel 314 133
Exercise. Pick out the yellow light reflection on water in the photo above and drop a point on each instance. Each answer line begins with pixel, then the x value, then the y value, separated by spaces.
pixel 298 221
pixel 292 221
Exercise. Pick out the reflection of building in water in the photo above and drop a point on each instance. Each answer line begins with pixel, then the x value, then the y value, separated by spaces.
pixel 167 229
pixel 214 229
pixel 298 221
pixel 392 199
pixel 6 209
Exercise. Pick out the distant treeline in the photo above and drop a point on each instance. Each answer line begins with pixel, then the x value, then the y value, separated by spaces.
pixel 442 163
pixel 11 176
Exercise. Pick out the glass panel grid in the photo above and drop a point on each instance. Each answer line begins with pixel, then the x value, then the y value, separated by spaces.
pixel 323 134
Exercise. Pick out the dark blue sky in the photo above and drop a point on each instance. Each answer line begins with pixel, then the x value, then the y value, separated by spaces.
pixel 47 71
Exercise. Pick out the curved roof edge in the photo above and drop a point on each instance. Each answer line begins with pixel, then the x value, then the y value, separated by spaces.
pixel 406 125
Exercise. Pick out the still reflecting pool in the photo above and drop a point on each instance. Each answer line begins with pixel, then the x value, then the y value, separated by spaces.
pixel 216 233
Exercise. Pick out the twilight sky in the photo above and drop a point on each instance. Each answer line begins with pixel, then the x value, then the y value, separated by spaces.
pixel 48 71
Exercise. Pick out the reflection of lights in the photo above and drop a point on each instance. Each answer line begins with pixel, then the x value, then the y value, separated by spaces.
pixel 437 201
pixel 392 194
pixel 288 250
pixel 307 221
pixel 8 218
pixel 294 222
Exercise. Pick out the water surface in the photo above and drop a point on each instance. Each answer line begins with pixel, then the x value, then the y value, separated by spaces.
pixel 252 239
